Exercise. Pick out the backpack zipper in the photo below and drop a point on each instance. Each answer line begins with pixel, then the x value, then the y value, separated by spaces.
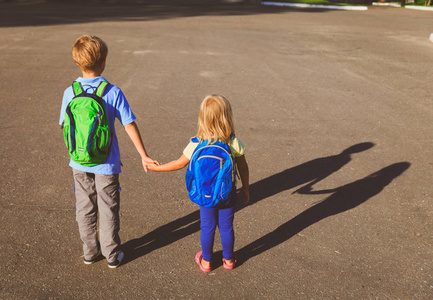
pixel 229 154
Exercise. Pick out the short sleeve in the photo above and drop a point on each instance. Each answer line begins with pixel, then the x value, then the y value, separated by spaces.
pixel 67 96
pixel 189 150
pixel 123 110
pixel 237 147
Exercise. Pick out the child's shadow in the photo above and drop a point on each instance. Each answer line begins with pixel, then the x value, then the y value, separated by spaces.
pixel 308 173
pixel 342 199
pixel 162 236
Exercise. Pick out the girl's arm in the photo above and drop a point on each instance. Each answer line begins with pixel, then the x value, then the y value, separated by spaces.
pixel 245 177
pixel 174 165
pixel 135 136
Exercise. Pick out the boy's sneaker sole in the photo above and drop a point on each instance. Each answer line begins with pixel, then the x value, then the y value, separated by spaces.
pixel 117 262
pixel 88 262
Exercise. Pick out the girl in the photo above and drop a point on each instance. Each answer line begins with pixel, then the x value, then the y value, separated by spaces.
pixel 215 122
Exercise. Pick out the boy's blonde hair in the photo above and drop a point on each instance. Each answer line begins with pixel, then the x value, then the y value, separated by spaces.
pixel 215 120
pixel 89 52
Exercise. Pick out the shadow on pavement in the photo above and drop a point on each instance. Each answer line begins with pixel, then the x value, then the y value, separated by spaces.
pixel 310 173
pixel 342 199
pixel 43 13
pixel 162 236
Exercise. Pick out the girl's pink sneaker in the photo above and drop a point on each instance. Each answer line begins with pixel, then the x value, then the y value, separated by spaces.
pixel 198 258
pixel 232 266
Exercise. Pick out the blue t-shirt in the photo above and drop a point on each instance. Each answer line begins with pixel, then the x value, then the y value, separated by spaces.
pixel 117 107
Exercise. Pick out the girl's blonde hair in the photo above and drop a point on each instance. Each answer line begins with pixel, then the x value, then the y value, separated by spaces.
pixel 89 52
pixel 215 120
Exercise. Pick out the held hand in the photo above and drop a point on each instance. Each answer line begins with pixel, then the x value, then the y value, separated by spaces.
pixel 148 162
pixel 153 167
pixel 246 195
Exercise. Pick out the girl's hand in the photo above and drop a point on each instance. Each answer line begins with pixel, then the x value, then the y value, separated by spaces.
pixel 148 163
pixel 153 167
pixel 171 166
pixel 246 195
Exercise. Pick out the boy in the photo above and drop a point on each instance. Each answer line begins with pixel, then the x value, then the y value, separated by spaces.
pixel 97 188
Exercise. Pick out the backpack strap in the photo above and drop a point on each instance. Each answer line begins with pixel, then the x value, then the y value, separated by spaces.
pixel 100 90
pixel 77 88
pixel 71 129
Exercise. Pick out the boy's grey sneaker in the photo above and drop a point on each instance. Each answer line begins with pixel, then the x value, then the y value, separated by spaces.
pixel 117 262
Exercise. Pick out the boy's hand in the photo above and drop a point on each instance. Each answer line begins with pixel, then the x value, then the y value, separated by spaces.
pixel 246 195
pixel 147 161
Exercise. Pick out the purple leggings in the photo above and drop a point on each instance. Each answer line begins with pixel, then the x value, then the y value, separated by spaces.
pixel 209 219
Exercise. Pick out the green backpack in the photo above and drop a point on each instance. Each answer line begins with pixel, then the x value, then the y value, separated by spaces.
pixel 86 131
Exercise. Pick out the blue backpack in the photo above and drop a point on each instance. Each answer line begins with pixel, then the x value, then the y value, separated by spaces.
pixel 209 177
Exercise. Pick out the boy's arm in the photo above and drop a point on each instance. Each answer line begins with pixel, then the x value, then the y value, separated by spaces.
pixel 135 136
pixel 245 177
pixel 174 165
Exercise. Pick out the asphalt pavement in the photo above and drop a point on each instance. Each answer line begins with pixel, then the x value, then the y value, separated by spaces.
pixel 334 107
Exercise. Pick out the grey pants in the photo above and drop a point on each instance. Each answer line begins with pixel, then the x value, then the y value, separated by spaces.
pixel 98 195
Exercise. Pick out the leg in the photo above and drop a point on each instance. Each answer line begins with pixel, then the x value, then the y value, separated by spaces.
pixel 208 222
pixel 107 187
pixel 86 212
pixel 225 225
